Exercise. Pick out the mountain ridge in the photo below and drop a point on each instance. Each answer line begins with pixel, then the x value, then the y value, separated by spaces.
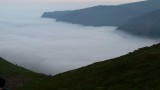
pixel 138 70
pixel 147 25
pixel 104 15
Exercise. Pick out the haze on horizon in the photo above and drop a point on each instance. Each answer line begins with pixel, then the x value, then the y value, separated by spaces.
pixel 66 1
pixel 34 6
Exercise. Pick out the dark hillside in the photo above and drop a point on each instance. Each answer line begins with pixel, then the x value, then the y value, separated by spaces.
pixel 18 77
pixel 105 15
pixel 147 25
pixel 139 70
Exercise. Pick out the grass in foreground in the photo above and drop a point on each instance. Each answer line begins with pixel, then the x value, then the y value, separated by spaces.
pixel 139 70
pixel 19 78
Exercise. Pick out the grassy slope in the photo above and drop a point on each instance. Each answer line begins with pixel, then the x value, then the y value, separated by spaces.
pixel 139 70
pixel 17 77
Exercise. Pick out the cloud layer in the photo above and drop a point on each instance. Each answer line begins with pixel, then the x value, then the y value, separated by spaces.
pixel 50 47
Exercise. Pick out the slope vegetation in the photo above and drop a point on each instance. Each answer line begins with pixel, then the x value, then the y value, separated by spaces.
pixel 17 77
pixel 139 70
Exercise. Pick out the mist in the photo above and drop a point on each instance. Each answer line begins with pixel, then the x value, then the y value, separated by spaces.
pixel 50 47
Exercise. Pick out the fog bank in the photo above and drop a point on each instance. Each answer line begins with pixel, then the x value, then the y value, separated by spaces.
pixel 50 47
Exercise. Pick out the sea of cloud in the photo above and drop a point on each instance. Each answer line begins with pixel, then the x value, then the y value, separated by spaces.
pixel 50 47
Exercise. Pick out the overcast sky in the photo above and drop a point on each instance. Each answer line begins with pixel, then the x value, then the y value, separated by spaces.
pixel 66 1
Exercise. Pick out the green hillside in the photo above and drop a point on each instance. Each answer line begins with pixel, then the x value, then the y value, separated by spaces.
pixel 139 70
pixel 17 77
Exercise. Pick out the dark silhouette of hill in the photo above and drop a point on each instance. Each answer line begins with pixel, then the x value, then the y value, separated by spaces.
pixel 138 70
pixel 105 15
pixel 18 78
pixel 147 25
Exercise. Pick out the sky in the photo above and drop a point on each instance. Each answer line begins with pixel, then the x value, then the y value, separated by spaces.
pixel 66 1
pixel 54 5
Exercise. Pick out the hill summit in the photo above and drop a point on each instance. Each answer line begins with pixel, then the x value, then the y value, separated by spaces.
pixel 104 15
